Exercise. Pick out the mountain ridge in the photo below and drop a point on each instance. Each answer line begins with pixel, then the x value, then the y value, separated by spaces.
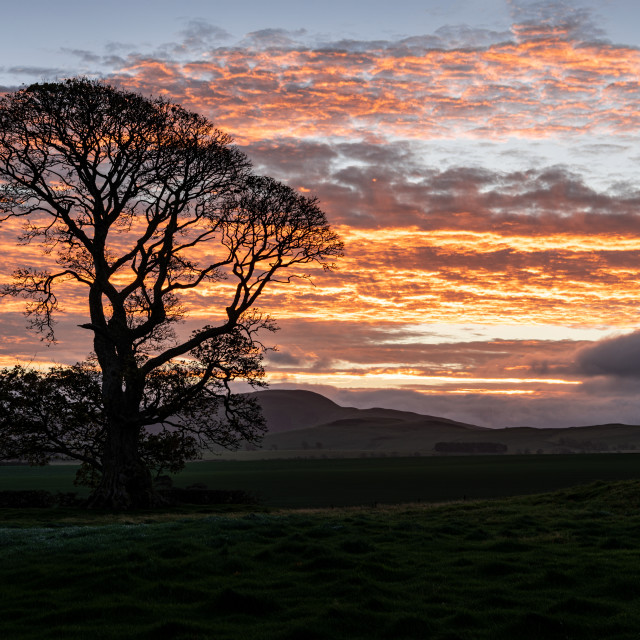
pixel 301 420
pixel 284 407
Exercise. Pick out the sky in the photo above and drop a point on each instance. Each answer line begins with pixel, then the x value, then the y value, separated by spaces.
pixel 479 158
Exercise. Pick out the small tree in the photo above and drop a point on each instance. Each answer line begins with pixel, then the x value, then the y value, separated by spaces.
pixel 142 203
pixel 68 420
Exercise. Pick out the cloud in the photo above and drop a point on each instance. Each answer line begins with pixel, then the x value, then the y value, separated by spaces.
pixel 48 73
pixel 391 135
pixel 21 345
pixel 85 56
pixel 282 359
pixel 272 39
pixel 430 245
pixel 617 357
pixel 199 34
pixel 370 185
pixel 554 78
pixel 534 19
pixel 447 37
pixel 197 37
pixel 388 347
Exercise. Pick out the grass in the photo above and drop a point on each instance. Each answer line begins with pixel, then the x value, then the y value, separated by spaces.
pixel 351 482
pixel 561 565
pixel 325 483
pixel 555 565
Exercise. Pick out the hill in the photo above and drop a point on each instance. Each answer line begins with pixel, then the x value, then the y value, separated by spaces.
pixel 285 410
pixel 304 421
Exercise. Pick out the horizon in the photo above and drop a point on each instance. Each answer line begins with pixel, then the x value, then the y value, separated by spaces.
pixel 479 160
pixel 367 406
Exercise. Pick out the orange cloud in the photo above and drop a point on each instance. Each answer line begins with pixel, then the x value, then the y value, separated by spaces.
pixel 539 85
pixel 412 275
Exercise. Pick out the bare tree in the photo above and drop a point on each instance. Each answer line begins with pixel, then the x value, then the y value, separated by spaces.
pixel 142 202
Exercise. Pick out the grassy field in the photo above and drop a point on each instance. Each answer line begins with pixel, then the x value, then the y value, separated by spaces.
pixel 562 565
pixel 350 482
pixel 324 483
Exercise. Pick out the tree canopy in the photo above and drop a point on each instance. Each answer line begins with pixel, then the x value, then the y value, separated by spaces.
pixel 142 203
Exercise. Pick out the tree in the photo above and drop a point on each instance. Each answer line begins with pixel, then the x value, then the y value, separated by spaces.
pixel 68 420
pixel 143 203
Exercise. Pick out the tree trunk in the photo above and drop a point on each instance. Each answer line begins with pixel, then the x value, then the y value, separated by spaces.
pixel 126 481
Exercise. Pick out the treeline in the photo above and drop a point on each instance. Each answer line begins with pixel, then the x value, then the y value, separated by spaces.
pixel 470 447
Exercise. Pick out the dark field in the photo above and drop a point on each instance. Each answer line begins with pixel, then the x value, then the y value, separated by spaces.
pixel 564 565
pixel 558 565
pixel 351 482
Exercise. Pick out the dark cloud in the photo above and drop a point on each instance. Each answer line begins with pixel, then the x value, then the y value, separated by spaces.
pixel 40 73
pixel 21 345
pixel 463 36
pixel 83 55
pixel 124 48
pixel 448 37
pixel 371 185
pixel 281 358
pixel 296 162
pixel 196 38
pixel 272 38
pixel 535 18
pixel 365 46
pixel 618 357
pixel 199 34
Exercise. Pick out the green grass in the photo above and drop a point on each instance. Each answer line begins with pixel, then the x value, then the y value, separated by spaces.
pixel 562 565
pixel 57 477
pixel 323 483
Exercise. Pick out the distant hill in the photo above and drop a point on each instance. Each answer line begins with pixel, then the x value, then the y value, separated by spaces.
pixel 308 423
pixel 285 410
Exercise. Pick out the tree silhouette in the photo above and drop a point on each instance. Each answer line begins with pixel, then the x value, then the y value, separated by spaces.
pixel 142 203
pixel 68 420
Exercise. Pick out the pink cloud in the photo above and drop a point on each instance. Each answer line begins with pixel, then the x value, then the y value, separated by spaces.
pixel 544 82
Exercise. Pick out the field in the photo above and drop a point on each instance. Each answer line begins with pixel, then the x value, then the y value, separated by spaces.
pixel 353 482
pixel 555 565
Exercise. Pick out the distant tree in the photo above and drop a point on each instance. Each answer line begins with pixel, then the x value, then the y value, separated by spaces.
pixel 143 203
